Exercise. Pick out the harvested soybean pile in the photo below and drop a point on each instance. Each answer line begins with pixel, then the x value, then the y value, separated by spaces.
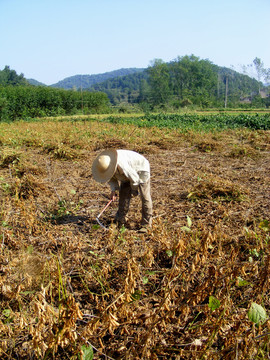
pixel 196 286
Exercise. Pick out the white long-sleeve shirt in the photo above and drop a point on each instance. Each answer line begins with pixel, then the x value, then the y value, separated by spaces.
pixel 132 167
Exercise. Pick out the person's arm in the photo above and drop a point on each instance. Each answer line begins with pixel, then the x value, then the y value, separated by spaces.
pixel 114 185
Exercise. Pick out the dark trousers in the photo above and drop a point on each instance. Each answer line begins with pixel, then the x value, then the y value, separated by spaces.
pixel 125 193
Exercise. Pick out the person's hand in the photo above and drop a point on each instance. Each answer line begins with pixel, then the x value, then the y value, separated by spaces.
pixel 113 196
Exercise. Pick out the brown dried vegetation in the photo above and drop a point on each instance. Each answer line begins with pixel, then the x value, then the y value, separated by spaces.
pixel 65 282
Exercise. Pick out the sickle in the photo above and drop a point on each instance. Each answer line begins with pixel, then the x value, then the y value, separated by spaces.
pixel 102 211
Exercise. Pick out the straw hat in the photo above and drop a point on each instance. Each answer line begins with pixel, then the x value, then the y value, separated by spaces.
pixel 104 165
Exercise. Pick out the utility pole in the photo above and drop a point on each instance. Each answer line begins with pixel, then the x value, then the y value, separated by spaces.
pixel 81 94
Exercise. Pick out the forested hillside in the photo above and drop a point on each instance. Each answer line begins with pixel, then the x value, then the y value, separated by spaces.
pixel 85 81
pixel 183 82
pixel 123 88
pixel 35 82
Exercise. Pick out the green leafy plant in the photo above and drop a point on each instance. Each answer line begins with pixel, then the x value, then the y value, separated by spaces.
pixel 265 225
pixel 122 231
pixel 87 353
pixel 65 208
pixel 213 303
pixel 8 317
pixel 257 314
pixel 169 253
pixel 241 282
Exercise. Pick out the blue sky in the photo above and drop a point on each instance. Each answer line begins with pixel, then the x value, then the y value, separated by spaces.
pixel 50 40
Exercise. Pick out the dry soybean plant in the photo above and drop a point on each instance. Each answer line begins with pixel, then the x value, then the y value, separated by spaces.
pixel 196 286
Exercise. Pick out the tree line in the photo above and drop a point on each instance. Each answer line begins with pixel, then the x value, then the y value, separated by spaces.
pixel 19 100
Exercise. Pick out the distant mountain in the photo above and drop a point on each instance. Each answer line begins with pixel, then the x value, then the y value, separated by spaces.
pixel 123 88
pixel 35 82
pixel 86 81
pixel 124 83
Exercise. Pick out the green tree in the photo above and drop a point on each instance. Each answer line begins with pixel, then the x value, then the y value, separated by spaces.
pixel 179 77
pixel 159 78
pixel 10 77
pixel 193 79
pixel 143 91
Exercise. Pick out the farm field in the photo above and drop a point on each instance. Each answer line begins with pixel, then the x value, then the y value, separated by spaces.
pixel 194 287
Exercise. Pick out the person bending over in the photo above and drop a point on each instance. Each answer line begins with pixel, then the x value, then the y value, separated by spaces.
pixel 128 172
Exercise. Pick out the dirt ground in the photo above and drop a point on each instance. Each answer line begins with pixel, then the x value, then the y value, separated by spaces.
pixel 216 180
pixel 121 289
